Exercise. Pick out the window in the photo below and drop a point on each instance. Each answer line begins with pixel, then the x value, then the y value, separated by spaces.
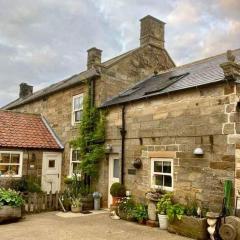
pixel 51 164
pixel 116 168
pixel 74 162
pixel 77 108
pixel 162 173
pixel 10 164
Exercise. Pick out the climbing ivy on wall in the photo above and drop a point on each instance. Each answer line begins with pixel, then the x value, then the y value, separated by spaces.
pixel 90 139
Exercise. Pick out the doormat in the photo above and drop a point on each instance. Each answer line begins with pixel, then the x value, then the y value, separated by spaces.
pixel 86 212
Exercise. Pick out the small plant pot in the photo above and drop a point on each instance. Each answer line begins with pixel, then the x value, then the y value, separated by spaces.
pixel 76 209
pixel 163 221
pixel 116 200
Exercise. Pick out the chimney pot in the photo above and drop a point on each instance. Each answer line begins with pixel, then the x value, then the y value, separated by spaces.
pixel 152 31
pixel 94 57
pixel 25 90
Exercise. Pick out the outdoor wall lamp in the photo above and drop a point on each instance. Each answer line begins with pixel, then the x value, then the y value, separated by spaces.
pixel 108 148
pixel 198 151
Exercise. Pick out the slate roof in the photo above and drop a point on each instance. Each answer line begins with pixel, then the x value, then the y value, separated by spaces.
pixel 24 130
pixel 191 75
pixel 69 82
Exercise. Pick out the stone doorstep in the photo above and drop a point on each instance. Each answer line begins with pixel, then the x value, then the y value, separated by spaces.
pixel 74 215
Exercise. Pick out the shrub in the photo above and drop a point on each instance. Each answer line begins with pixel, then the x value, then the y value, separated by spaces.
pixel 26 184
pixel 175 211
pixel 126 209
pixel 140 212
pixel 10 198
pixel 117 190
pixel 164 203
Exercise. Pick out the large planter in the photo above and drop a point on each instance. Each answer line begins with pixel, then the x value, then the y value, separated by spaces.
pixel 8 213
pixel 163 221
pixel 192 227
pixel 116 200
pixel 87 202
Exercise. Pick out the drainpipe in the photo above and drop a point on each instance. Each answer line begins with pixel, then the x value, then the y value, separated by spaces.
pixel 123 134
pixel 92 92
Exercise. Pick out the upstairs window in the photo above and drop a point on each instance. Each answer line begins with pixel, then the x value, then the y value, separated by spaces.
pixel 10 164
pixel 77 108
pixel 162 173
pixel 75 162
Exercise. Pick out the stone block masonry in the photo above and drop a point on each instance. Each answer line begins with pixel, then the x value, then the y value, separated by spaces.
pixel 172 127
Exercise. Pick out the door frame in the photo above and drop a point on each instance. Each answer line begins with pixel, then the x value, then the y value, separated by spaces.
pixel 112 156
pixel 58 157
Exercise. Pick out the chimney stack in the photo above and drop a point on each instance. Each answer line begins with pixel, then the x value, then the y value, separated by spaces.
pixel 152 32
pixel 25 90
pixel 94 57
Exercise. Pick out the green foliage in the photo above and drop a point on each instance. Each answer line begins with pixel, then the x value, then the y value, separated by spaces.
pixel 26 184
pixel 118 190
pixel 91 138
pixel 164 203
pixel 126 208
pixel 191 208
pixel 166 206
pixel 10 198
pixel 228 190
pixel 140 212
pixel 175 211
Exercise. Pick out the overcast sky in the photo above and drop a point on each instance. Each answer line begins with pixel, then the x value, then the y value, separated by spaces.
pixel 44 41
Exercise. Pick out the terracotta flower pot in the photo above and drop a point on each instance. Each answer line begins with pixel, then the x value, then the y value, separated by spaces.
pixel 116 200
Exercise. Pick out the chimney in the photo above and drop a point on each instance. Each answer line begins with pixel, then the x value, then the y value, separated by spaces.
pixel 152 32
pixel 94 57
pixel 25 90
pixel 231 69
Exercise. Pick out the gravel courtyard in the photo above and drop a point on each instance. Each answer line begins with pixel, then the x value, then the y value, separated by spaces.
pixel 49 226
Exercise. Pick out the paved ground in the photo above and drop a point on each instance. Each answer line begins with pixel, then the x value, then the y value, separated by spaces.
pixel 49 226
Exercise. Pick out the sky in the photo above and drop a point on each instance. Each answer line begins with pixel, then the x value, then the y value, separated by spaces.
pixel 45 41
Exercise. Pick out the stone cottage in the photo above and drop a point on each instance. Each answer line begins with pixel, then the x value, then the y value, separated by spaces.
pixel 29 147
pixel 179 130
pixel 62 103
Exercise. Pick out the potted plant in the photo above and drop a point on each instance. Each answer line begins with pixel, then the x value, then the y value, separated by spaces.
pixel 76 205
pixel 163 205
pixel 140 213
pixel 10 205
pixel 126 209
pixel 118 191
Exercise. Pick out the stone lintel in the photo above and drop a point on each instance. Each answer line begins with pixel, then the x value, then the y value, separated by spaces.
pixel 162 154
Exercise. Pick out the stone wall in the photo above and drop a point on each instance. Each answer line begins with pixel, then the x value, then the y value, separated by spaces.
pixel 174 125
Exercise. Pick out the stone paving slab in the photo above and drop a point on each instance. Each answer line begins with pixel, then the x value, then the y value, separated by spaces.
pixel 48 226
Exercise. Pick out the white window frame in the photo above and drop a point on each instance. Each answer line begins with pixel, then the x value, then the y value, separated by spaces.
pixel 20 163
pixel 71 161
pixel 153 160
pixel 75 110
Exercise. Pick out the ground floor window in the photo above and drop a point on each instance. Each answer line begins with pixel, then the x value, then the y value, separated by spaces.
pixel 162 173
pixel 74 162
pixel 10 164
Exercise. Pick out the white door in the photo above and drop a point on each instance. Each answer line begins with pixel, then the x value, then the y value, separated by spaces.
pixel 51 171
pixel 114 173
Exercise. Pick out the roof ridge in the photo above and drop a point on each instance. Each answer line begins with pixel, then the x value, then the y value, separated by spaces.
pixel 194 62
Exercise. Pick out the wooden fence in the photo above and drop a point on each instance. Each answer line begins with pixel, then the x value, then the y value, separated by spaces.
pixel 40 202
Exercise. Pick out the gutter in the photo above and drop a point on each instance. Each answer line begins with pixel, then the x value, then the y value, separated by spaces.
pixel 123 134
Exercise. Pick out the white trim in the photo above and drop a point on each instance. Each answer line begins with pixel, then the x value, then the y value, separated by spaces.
pixel 70 164
pixel 73 110
pixel 167 174
pixel 20 163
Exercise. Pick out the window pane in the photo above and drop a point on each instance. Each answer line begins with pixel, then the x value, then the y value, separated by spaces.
pixel 51 163
pixel 77 103
pixel 158 166
pixel 77 155
pixel 9 170
pixel 74 156
pixel 167 167
pixel 116 168
pixel 15 158
pixel 158 180
pixel 167 181
pixel 5 158
pixel 77 116
pixel 75 168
